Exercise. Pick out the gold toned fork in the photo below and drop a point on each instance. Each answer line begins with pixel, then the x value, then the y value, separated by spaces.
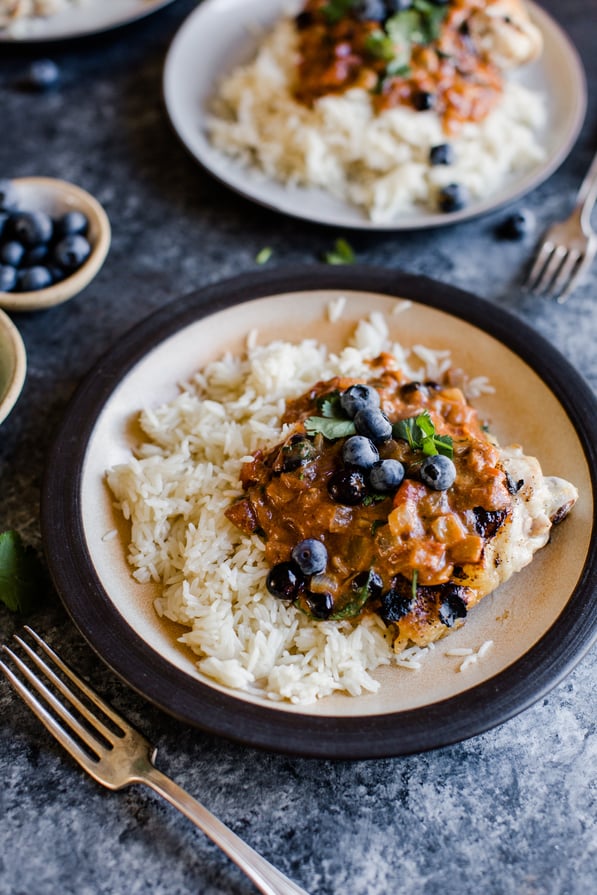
pixel 568 247
pixel 115 754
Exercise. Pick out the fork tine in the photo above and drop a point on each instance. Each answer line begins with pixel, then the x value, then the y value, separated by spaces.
pixel 543 256
pixel 83 687
pixel 583 264
pixel 550 270
pixel 83 733
pixel 48 720
pixel 565 273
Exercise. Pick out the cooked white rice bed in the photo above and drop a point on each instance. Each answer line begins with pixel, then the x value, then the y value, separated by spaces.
pixel 175 492
pixel 378 162
pixel 13 10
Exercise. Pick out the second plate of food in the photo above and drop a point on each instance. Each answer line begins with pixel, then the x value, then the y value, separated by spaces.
pixel 339 165
pixel 67 20
pixel 185 625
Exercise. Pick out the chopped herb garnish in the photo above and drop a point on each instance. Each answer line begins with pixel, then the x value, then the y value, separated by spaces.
pixel 342 253
pixel 334 10
pixel 21 574
pixel 371 499
pixel 263 256
pixel 333 422
pixel 414 584
pixel 380 45
pixel 420 433
pixel 354 606
pixel 329 406
pixel 330 427
pixel 377 523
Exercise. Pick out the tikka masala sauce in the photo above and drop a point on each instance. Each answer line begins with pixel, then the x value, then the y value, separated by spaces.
pixel 448 74
pixel 417 539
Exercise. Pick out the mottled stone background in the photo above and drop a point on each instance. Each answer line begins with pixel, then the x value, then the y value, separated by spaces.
pixel 511 812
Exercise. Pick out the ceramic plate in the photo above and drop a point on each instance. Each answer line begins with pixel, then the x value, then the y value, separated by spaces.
pixel 220 34
pixel 541 622
pixel 91 17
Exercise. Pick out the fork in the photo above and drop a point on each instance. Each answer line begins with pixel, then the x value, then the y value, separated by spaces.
pixel 116 754
pixel 568 247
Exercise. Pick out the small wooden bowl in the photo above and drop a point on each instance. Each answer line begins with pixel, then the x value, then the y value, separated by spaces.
pixel 56 197
pixel 13 365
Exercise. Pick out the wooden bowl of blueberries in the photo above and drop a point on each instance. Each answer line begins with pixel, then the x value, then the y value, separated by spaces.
pixel 54 238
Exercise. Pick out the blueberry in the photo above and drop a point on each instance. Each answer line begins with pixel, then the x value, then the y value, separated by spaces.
pixel 31 279
pixel 453 197
pixel 31 227
pixel 373 424
pixel 4 218
pixel 310 556
pixel 8 195
pixel 369 579
pixel 56 273
pixel 423 100
pixel 42 74
pixel 517 225
pixel 452 607
pixel 297 452
pixel 394 6
pixel 36 255
pixel 303 20
pixel 285 581
pixel 348 486
pixel 442 154
pixel 395 604
pixel 370 10
pixel 320 605
pixel 438 472
pixel 360 451
pixel 70 223
pixel 386 475
pixel 12 253
pixel 72 251
pixel 8 278
pixel 359 397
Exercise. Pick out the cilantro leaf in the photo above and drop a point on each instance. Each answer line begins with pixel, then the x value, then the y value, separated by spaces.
pixel 380 45
pixel 330 427
pixel 334 10
pixel 21 574
pixel 354 606
pixel 329 406
pixel 413 588
pixel 419 432
pixel 263 256
pixel 343 253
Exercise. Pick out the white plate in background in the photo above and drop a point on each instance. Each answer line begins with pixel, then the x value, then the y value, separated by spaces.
pixel 221 34
pixel 90 17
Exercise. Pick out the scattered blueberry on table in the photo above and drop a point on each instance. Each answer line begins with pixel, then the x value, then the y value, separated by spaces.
pixel 42 75
pixel 36 250
pixel 517 225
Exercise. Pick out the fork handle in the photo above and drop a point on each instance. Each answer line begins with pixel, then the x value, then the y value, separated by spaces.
pixel 587 192
pixel 266 878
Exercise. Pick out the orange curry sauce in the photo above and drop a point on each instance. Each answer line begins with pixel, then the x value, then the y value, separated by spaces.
pixel 448 73
pixel 416 529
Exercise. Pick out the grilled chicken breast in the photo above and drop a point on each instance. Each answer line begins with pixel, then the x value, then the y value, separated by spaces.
pixel 502 31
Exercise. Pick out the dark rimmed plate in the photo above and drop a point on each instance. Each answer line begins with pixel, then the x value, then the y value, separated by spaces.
pixel 541 622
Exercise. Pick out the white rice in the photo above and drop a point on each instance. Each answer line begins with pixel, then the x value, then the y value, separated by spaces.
pixel 175 492
pixel 15 13
pixel 377 162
